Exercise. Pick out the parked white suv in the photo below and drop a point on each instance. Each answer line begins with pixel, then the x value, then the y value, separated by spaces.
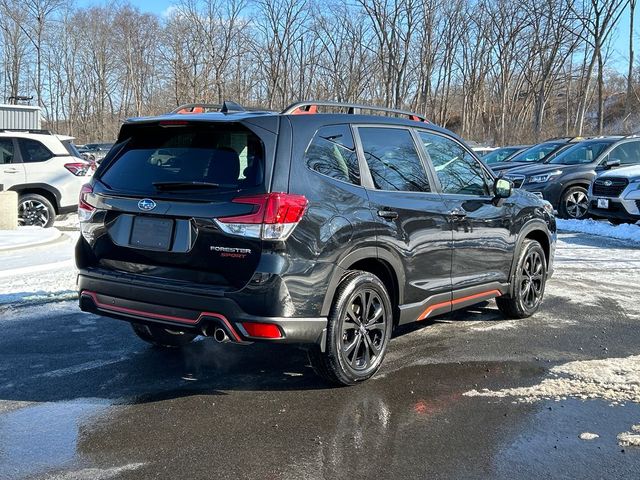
pixel 615 195
pixel 47 172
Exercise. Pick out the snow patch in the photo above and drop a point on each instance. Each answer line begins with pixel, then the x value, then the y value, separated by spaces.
pixel 27 236
pixel 589 436
pixel 616 380
pixel 603 229
pixel 630 439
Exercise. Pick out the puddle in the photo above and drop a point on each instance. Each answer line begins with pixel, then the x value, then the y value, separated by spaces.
pixel 43 437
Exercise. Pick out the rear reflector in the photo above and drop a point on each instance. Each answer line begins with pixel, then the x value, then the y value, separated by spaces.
pixel 262 330
pixel 274 216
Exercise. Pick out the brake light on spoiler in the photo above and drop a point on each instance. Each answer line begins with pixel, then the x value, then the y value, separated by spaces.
pixel 274 216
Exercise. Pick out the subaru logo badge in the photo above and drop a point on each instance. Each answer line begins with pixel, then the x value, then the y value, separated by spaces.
pixel 146 204
pixel 608 183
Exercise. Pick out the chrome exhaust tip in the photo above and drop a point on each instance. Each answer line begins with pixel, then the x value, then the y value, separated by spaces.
pixel 220 336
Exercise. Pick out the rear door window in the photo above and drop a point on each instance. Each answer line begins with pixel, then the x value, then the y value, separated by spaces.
pixel 393 160
pixel 224 156
pixel 33 151
pixel 332 152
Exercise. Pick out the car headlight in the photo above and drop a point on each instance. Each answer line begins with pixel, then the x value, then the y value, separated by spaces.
pixel 545 177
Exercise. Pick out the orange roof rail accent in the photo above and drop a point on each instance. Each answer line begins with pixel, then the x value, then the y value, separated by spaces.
pixel 304 108
pixel 308 110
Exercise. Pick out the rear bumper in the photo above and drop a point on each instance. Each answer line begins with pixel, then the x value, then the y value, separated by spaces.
pixel 189 312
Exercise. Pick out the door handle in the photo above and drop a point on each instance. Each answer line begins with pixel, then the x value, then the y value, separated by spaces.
pixel 11 170
pixel 457 214
pixel 388 214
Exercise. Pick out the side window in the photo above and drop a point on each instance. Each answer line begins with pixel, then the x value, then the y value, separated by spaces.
pixel 6 151
pixel 393 159
pixel 457 170
pixel 628 153
pixel 33 151
pixel 332 152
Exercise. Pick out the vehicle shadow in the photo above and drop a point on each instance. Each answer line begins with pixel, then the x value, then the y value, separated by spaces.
pixel 73 355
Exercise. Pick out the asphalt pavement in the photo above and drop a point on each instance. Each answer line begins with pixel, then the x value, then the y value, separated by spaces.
pixel 82 398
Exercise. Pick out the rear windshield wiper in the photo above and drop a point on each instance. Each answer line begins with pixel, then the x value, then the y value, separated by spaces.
pixel 185 185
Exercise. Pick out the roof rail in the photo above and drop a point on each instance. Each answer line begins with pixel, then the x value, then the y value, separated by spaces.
pixel 226 107
pixel 311 107
pixel 26 130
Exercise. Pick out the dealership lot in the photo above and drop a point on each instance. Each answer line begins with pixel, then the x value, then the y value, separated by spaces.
pixel 80 397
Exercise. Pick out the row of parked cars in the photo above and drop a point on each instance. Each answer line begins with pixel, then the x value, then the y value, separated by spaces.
pixel 581 177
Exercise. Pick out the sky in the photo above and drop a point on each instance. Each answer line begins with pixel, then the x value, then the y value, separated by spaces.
pixel 620 41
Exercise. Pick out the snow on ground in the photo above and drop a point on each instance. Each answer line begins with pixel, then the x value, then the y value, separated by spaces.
pixel 630 439
pixel 68 222
pixel 616 380
pixel 601 228
pixel 38 274
pixel 25 236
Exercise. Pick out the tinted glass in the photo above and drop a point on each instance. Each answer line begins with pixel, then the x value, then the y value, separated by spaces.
pixel 71 148
pixel 332 153
pixel 536 153
pixel 457 170
pixel 584 152
pixel 229 156
pixel 6 151
pixel 628 153
pixel 499 155
pixel 33 151
pixel 393 160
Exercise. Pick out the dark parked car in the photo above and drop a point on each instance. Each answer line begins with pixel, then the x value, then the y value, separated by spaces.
pixel 565 179
pixel 326 230
pixel 540 153
pixel 503 154
pixel 615 194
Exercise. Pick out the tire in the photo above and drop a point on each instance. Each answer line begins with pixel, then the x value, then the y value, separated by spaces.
pixel 574 204
pixel 527 283
pixel 355 350
pixel 162 337
pixel 34 209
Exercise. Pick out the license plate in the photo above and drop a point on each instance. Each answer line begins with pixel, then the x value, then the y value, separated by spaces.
pixel 152 233
pixel 603 203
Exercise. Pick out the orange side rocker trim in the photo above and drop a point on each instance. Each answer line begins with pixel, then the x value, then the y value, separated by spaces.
pixel 431 308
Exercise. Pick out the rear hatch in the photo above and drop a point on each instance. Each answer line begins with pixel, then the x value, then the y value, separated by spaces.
pixel 158 195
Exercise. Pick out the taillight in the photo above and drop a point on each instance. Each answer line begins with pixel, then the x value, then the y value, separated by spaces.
pixel 79 169
pixel 274 217
pixel 85 210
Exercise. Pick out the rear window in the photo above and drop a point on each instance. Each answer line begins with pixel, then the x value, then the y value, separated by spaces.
pixel 71 148
pixel 229 157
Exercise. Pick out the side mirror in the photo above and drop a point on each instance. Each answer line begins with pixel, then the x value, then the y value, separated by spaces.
pixel 610 163
pixel 502 188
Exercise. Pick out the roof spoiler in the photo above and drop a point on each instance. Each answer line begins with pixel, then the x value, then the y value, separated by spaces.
pixel 226 107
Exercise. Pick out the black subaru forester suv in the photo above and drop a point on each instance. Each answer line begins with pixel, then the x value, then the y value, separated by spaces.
pixel 322 229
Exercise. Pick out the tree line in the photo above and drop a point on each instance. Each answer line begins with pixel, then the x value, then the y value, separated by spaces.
pixel 501 71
